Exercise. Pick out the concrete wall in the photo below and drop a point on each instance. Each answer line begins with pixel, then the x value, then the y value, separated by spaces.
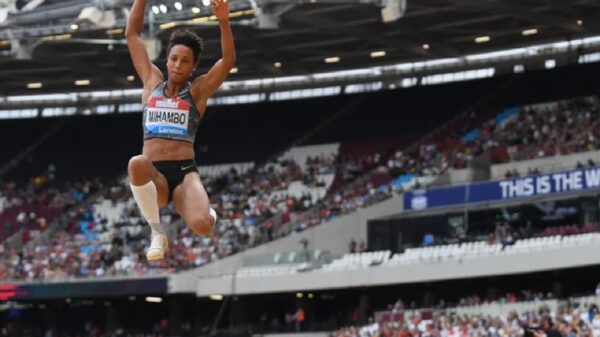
pixel 461 176
pixel 478 170
pixel 503 264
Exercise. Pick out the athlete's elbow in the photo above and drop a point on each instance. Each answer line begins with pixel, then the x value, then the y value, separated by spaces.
pixel 230 61
pixel 131 32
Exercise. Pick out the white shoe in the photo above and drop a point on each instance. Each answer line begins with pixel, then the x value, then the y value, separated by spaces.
pixel 158 247
pixel 213 214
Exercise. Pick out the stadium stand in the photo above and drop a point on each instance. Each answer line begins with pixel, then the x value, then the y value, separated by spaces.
pixel 579 316
pixel 267 191
pixel 299 179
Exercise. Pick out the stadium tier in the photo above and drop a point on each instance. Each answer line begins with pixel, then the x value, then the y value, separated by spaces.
pixel 257 201
pixel 444 184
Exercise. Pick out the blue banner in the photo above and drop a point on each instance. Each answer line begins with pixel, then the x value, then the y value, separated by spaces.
pixel 540 185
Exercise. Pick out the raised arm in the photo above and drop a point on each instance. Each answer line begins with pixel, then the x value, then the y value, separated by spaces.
pixel 148 72
pixel 204 86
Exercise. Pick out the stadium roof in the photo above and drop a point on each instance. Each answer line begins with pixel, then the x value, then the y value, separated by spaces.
pixel 273 37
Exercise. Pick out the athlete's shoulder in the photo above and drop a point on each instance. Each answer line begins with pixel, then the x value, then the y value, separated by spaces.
pixel 198 85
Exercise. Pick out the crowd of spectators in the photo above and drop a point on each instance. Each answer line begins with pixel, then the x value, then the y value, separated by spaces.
pixel 33 204
pixel 251 199
pixel 88 244
pixel 517 135
pixel 569 320
pixel 475 300
pixel 548 130
pixel 254 206
pixel 537 131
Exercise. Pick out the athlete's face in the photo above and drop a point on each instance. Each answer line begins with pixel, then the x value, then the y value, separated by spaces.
pixel 180 63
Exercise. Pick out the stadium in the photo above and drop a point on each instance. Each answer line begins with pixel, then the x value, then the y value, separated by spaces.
pixel 378 168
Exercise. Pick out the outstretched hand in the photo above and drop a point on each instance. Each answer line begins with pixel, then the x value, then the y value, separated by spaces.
pixel 220 9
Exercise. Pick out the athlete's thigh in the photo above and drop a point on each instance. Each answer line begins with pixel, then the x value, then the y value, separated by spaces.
pixel 190 199
pixel 162 187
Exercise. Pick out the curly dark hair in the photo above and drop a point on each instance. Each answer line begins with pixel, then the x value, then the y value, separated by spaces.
pixel 189 39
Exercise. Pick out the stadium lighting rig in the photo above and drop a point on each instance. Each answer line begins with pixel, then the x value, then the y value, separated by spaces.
pixel 23 29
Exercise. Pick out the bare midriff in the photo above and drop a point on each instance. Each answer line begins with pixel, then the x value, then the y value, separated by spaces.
pixel 157 149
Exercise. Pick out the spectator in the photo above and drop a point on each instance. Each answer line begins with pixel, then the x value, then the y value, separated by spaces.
pixel 269 227
pixel 352 246
pixel 362 247
pixel 547 329
pixel 300 317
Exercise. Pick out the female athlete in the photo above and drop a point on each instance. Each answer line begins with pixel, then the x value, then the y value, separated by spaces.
pixel 166 169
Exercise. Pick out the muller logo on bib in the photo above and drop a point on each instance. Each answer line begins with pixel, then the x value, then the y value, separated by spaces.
pixel 168 117
pixel 167 103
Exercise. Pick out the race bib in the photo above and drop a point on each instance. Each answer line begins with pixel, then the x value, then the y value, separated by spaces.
pixel 167 116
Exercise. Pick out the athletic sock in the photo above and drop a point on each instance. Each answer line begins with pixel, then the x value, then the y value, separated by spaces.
pixel 146 198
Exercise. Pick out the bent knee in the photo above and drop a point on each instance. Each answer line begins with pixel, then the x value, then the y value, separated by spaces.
pixel 137 163
pixel 138 168
pixel 202 226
